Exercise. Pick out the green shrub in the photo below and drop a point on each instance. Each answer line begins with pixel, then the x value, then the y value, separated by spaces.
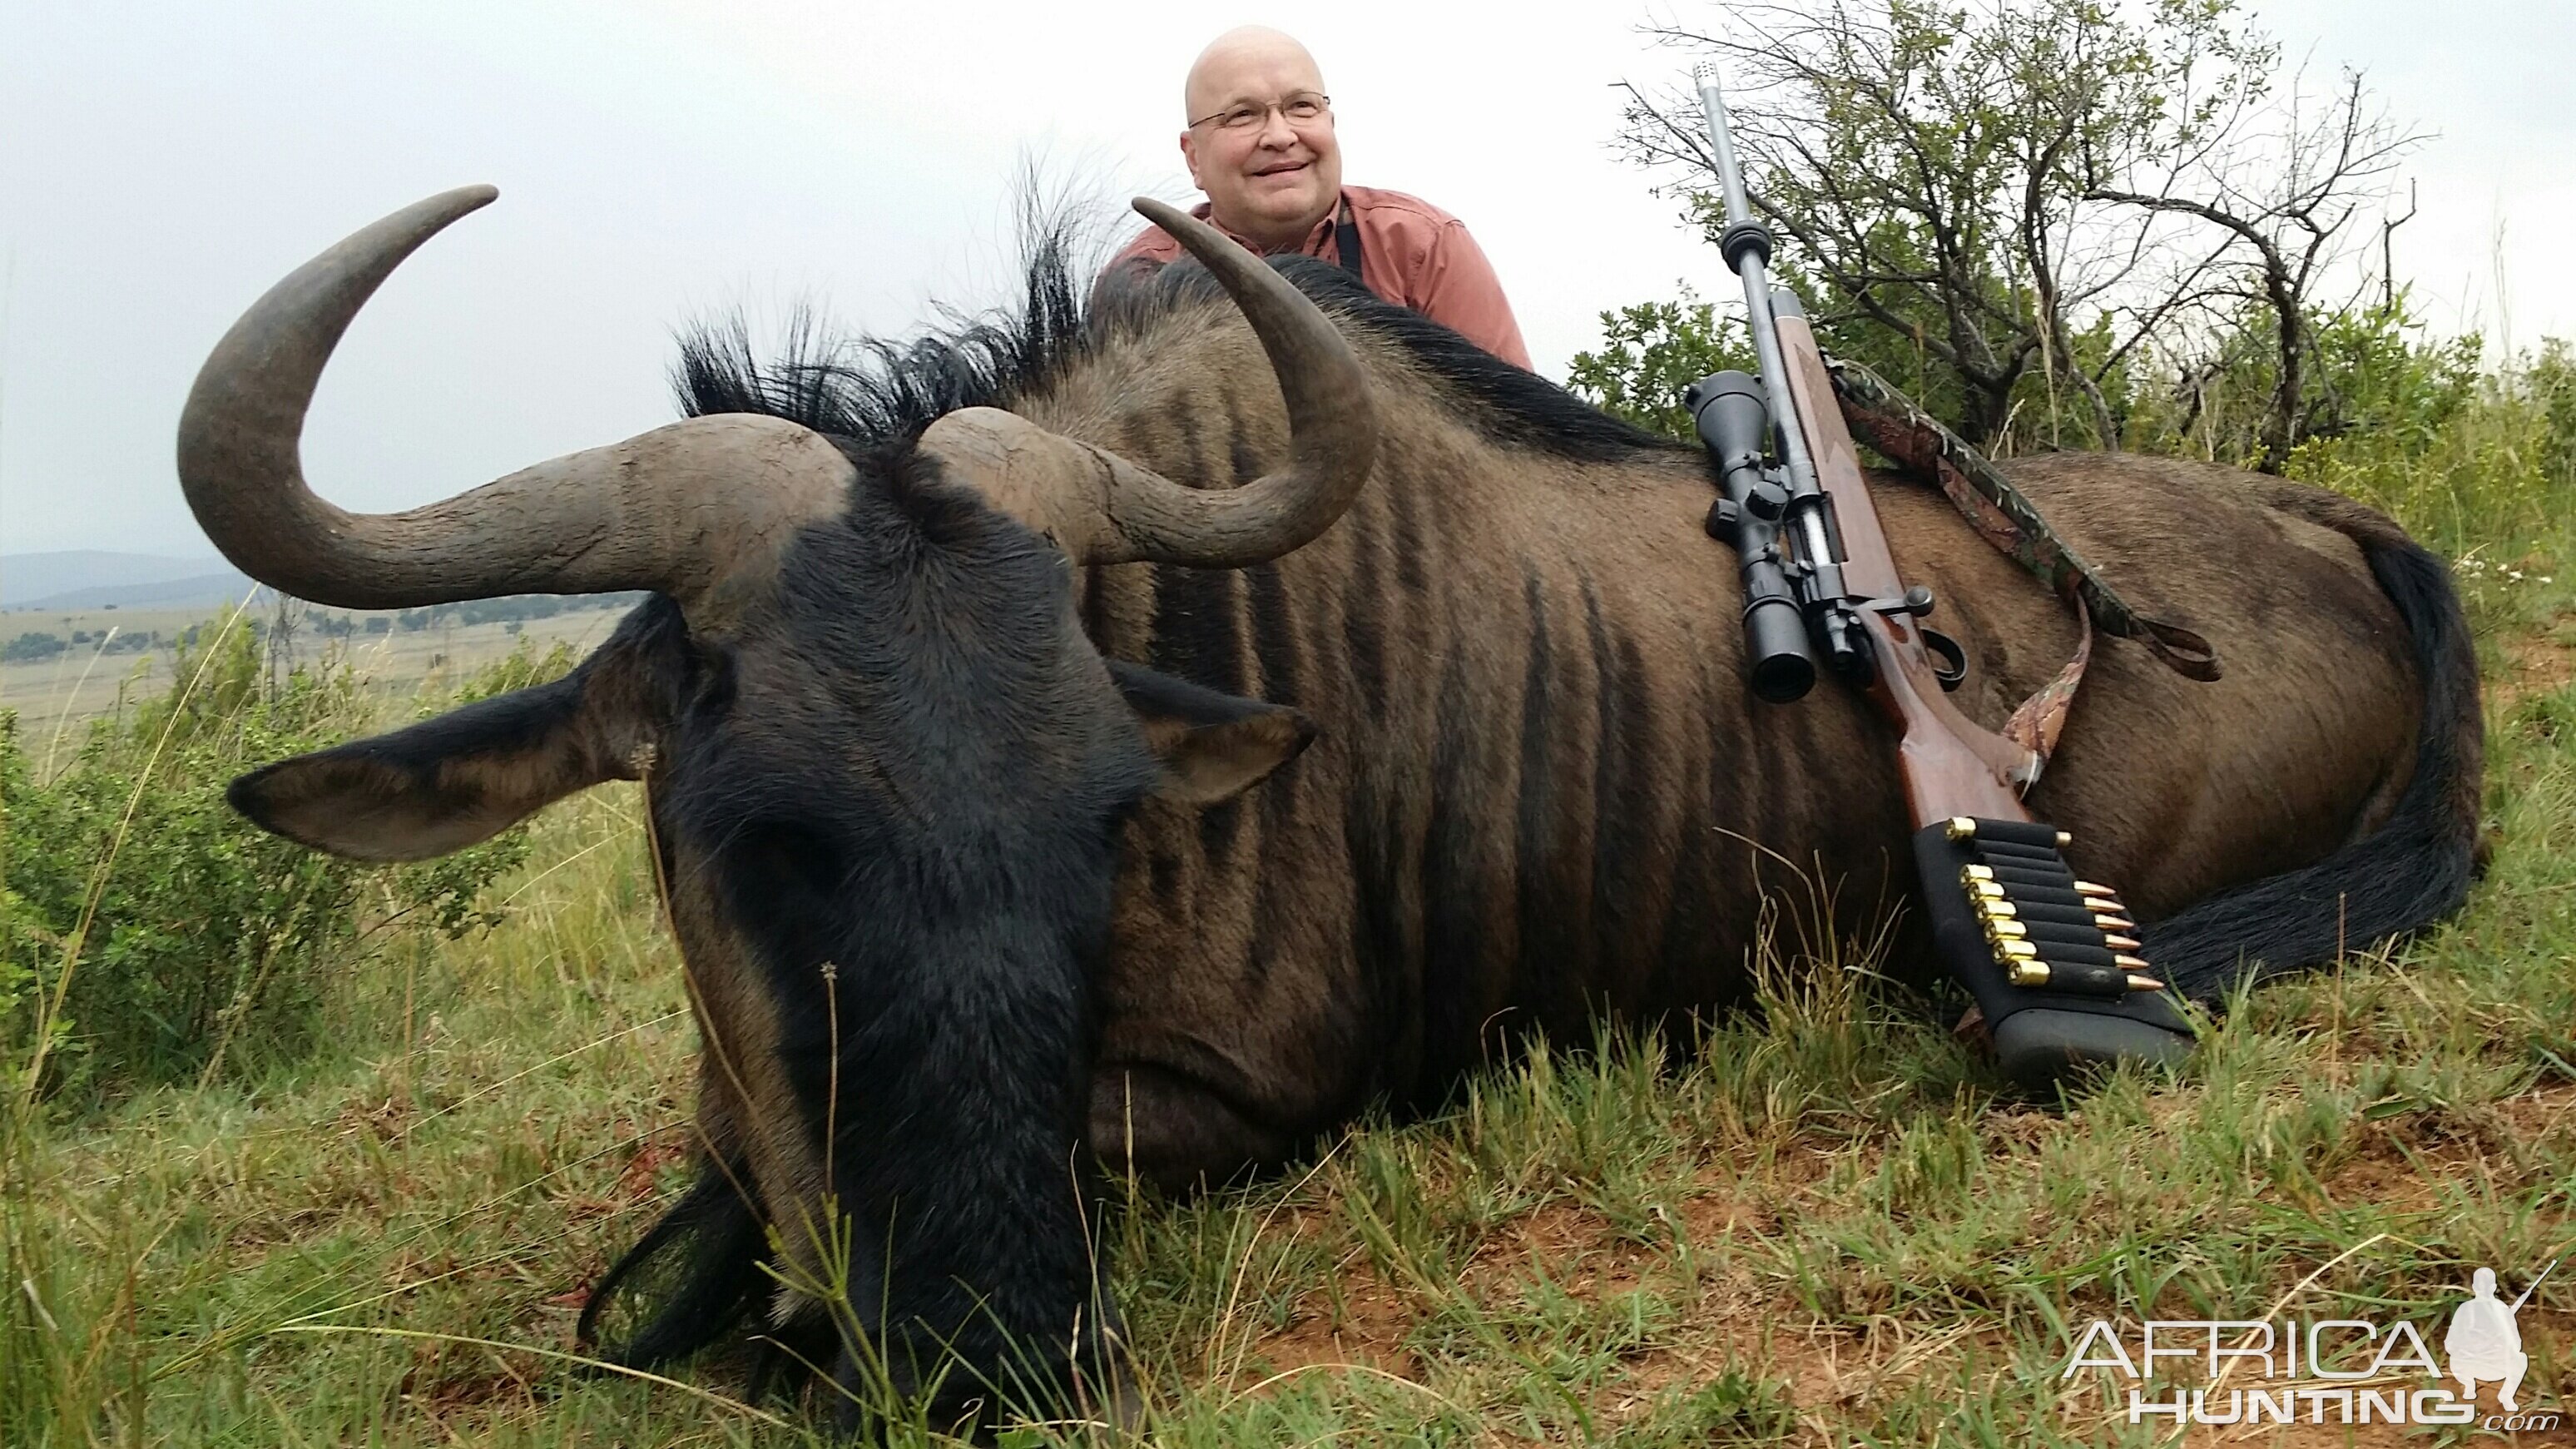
pixel 2477 460
pixel 2551 382
pixel 1649 353
pixel 150 934
pixel 2473 463
pixel 31 646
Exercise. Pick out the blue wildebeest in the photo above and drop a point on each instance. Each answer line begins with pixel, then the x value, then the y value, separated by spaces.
pixel 1159 733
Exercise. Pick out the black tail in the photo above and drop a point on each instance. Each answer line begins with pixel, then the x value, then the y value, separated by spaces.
pixel 714 1241
pixel 2413 870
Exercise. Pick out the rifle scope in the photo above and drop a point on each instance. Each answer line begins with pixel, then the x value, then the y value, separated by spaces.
pixel 1734 424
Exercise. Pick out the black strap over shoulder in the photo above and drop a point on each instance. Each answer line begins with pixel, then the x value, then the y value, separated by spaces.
pixel 1346 239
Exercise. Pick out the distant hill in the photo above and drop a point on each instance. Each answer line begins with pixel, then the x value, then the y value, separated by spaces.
pixel 207 589
pixel 94 578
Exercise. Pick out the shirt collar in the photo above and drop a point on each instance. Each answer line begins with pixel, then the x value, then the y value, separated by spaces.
pixel 1313 246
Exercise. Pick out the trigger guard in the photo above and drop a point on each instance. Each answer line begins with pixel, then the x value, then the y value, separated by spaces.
pixel 1949 661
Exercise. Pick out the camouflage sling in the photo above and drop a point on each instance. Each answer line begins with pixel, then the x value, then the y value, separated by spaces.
pixel 1889 422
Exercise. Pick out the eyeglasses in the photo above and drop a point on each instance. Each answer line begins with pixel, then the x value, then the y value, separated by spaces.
pixel 1302 109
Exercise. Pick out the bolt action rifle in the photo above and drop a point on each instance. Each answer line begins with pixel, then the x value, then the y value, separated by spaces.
pixel 2052 959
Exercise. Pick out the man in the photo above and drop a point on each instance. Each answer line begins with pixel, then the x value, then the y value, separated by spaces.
pixel 2485 1343
pixel 1260 143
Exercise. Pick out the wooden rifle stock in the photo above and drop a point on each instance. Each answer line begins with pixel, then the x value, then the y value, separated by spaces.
pixel 1949 764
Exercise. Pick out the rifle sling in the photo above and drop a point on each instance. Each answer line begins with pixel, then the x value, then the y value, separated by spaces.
pixel 2003 516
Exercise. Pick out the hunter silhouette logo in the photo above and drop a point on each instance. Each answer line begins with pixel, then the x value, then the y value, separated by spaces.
pixel 2328 1370
pixel 2485 1343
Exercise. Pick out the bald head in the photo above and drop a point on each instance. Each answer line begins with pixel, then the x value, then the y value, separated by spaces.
pixel 1259 139
pixel 1247 52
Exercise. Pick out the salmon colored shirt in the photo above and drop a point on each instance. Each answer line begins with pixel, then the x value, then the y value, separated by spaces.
pixel 1411 253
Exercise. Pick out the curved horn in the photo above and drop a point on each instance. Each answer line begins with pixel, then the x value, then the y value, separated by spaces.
pixel 1101 508
pixel 673 509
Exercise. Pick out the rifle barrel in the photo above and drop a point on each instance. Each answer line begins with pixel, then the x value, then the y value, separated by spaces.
pixel 1746 245
pixel 2535 1286
pixel 1730 177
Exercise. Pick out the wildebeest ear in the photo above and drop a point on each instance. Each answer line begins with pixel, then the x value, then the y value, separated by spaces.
pixel 446 783
pixel 1213 746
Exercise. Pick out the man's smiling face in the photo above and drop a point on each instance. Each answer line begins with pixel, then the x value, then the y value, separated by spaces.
pixel 1272 180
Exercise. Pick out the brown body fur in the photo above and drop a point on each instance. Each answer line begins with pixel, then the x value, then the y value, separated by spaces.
pixel 1540 774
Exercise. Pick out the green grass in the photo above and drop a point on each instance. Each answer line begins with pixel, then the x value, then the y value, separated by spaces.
pixel 1823 1226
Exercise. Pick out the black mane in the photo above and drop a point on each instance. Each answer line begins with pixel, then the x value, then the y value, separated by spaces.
pixel 871 393
pixel 875 394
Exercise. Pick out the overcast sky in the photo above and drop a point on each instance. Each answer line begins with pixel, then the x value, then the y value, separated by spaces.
pixel 161 164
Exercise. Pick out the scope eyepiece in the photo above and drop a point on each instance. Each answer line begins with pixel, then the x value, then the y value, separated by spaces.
pixel 1779 665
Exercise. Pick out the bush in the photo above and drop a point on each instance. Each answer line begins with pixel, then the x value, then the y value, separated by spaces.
pixel 147 932
pixel 2551 383
pixel 2468 456
pixel 508 609
pixel 1649 353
